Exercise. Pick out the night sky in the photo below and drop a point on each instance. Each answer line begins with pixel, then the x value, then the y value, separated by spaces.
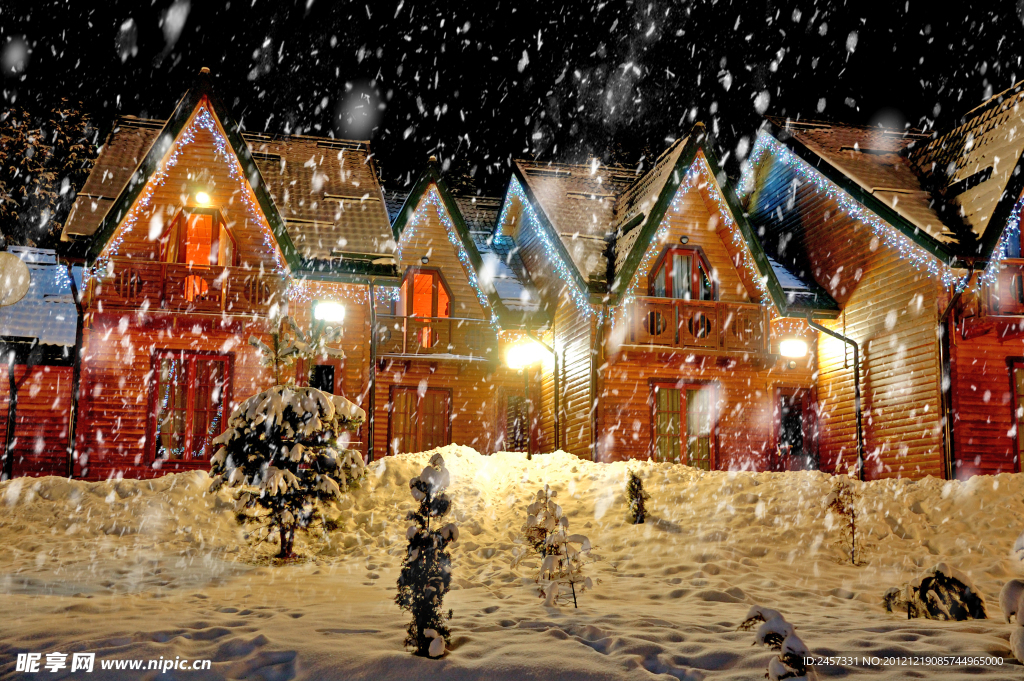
pixel 479 83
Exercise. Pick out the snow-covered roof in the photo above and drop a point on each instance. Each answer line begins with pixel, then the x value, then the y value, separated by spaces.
pixel 47 313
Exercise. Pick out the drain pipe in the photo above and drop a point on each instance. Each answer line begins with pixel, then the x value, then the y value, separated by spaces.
pixel 76 373
pixel 946 377
pixel 856 388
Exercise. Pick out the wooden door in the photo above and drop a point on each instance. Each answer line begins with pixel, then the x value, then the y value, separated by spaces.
pixel 419 421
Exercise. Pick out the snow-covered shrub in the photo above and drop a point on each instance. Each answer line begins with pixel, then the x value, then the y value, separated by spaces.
pixel 289 343
pixel 637 498
pixel 427 569
pixel 840 502
pixel 1011 601
pixel 775 632
pixel 563 555
pixel 281 450
pixel 942 593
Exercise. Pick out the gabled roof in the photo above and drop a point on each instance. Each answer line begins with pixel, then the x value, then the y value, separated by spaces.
pixel 644 206
pixel 493 258
pixel 876 174
pixel 977 167
pixel 578 204
pixel 47 314
pixel 320 196
pixel 164 141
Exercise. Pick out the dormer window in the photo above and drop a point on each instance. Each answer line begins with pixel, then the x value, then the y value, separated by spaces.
pixel 199 238
pixel 684 274
pixel 424 293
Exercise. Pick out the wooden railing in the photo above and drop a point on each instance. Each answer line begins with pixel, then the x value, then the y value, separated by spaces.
pixel 184 288
pixel 472 338
pixel 698 324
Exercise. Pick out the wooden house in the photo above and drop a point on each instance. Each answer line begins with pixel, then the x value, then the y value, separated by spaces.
pixel 915 237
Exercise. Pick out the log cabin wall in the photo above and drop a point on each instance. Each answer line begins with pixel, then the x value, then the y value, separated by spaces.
pixel 984 396
pixel 574 338
pixel 891 309
pixel 41 426
pixel 744 384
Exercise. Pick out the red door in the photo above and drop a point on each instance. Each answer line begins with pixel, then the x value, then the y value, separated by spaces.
pixel 419 421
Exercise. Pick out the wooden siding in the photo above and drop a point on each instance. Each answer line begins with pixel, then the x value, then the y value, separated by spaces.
pixel 891 310
pixel 41 425
pixel 574 340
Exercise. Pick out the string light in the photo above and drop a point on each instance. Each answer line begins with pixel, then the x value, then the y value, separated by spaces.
pixel 304 290
pixel 202 119
pixel 908 251
pixel 579 297
pixel 1011 233
pixel 432 198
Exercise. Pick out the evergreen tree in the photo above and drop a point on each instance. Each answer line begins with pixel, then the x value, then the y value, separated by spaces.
pixel 427 569
pixel 44 161
pixel 637 498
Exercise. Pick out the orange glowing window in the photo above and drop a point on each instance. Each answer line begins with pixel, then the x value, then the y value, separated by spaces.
pixel 199 238
pixel 429 295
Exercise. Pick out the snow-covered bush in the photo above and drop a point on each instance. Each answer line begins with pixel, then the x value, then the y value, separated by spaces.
pixel 563 554
pixel 840 502
pixel 281 450
pixel 775 632
pixel 427 569
pixel 289 343
pixel 1011 601
pixel 637 498
pixel 942 593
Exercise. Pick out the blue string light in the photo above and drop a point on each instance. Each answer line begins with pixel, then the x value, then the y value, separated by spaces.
pixel 908 251
pixel 580 298
pixel 1010 233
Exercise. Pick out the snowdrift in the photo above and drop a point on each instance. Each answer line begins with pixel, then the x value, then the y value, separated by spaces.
pixel 143 569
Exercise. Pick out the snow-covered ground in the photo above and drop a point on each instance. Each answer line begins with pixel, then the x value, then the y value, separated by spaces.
pixel 144 569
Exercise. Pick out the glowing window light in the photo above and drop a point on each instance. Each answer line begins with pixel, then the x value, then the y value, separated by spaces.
pixel 793 347
pixel 329 311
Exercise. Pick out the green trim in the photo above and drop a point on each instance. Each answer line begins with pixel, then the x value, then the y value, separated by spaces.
pixel 164 142
pixel 538 209
pixel 432 175
pixel 862 196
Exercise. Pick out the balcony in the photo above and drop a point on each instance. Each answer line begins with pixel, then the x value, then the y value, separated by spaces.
pixel 436 337
pixel 698 325
pixel 1001 305
pixel 183 288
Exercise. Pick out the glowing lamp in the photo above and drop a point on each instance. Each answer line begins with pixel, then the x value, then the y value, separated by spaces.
pixel 329 311
pixel 793 347
pixel 202 198
pixel 525 354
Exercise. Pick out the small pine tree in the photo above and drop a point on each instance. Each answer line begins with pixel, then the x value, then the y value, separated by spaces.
pixel 775 632
pixel 840 501
pixel 637 498
pixel 281 450
pixel 427 569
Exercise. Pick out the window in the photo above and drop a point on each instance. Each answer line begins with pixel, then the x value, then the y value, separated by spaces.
pixel 1017 374
pixel 517 428
pixel 199 238
pixel 682 273
pixel 419 419
pixel 190 392
pixel 323 378
pixel 424 293
pixel 684 422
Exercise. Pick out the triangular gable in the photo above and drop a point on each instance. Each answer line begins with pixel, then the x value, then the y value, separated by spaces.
pixel 199 107
pixel 430 188
pixel 697 164
pixel 917 249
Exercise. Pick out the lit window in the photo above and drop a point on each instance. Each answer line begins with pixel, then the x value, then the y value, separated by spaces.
pixel 199 238
pixel 684 418
pixel 424 293
pixel 190 391
pixel 683 274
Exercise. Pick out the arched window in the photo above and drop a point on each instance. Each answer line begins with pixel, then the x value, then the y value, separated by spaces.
pixel 424 293
pixel 682 273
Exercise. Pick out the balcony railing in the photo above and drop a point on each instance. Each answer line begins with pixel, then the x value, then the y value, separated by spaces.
pixel 698 325
pixel 185 288
pixel 432 336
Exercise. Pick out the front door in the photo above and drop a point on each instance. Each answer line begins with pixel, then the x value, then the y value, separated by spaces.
pixel 684 424
pixel 795 430
pixel 420 420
